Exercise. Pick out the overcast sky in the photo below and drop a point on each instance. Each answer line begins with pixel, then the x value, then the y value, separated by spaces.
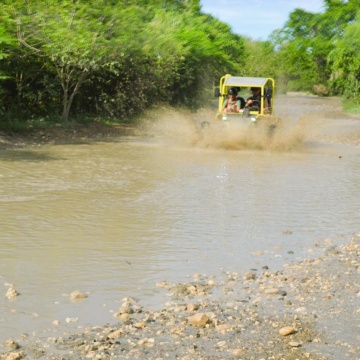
pixel 257 18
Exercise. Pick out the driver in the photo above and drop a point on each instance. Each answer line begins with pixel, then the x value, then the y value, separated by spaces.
pixel 253 102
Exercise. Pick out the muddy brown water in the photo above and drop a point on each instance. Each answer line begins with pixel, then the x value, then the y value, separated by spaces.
pixel 113 218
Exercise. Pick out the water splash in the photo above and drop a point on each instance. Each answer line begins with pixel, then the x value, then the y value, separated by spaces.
pixel 183 128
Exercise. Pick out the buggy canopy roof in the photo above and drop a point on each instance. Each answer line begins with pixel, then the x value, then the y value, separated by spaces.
pixel 245 81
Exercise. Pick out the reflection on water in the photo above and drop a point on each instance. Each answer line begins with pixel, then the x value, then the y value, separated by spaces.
pixel 114 218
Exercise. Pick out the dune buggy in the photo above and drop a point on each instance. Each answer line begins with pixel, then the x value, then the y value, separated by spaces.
pixel 260 110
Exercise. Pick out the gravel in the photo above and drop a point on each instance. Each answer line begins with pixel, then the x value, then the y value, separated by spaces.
pixel 309 310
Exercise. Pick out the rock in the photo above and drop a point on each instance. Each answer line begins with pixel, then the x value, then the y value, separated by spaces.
pixel 91 355
pixel 199 319
pixel 11 293
pixel 250 276
pixel 238 352
pixel 116 334
pixel 126 310
pixel 271 291
pixel 139 325
pixel 15 356
pixel 11 344
pixel 294 344
pixel 128 301
pixel 77 295
pixel 191 307
pixel 69 320
pixel 148 342
pixel 177 330
pixel 124 317
pixel 287 330
pixel 192 290
pixel 223 328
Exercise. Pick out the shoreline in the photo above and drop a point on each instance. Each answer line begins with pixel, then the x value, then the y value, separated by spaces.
pixel 64 134
pixel 309 310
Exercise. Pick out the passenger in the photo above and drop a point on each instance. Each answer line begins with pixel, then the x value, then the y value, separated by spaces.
pixel 254 101
pixel 234 103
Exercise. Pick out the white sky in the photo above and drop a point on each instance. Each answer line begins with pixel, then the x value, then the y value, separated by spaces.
pixel 257 18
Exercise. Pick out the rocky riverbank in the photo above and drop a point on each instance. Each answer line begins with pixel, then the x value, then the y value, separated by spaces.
pixel 309 310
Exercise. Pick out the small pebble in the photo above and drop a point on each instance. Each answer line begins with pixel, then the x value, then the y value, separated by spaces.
pixel 272 291
pixel 294 344
pixel 69 320
pixel 77 295
pixel 11 293
pixel 11 344
pixel 199 319
pixel 287 330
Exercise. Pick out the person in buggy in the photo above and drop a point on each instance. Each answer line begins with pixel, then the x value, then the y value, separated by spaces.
pixel 254 101
pixel 233 103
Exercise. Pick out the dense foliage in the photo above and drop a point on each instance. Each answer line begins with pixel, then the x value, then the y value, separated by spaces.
pixel 319 52
pixel 116 58
pixel 109 58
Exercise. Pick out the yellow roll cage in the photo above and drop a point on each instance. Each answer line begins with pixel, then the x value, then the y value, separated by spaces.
pixel 267 86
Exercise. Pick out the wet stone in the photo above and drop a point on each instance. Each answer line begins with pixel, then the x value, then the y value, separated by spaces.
pixel 77 295
pixel 287 330
pixel 199 319
pixel 116 334
pixel 15 356
pixel 271 291
pixel 192 307
pixel 11 344
pixel 294 344
pixel 11 293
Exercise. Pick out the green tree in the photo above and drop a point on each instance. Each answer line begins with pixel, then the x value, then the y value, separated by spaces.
pixel 196 48
pixel 114 57
pixel 260 58
pixel 307 39
pixel 345 62
pixel 5 41
pixel 300 52
pixel 75 39
pixel 6 45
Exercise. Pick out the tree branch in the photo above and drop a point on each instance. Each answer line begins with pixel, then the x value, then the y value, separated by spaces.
pixel 21 38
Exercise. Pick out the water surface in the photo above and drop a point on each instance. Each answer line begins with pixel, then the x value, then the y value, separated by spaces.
pixel 113 218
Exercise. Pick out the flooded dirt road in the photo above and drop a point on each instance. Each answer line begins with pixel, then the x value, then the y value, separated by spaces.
pixel 113 218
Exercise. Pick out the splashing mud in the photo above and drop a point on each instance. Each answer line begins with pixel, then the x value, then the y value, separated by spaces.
pixel 170 126
pixel 236 137
pixel 182 128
